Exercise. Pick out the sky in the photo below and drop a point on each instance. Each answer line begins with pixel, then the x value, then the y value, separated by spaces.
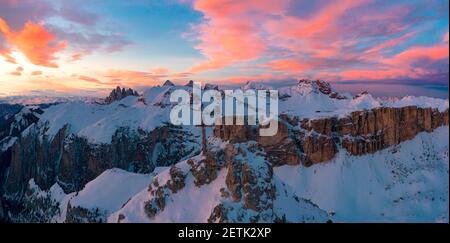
pixel 80 47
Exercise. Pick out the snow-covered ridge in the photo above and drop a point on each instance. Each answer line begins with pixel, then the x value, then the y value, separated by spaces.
pixel 307 99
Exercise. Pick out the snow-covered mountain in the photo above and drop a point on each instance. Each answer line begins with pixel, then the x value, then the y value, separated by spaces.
pixel 336 157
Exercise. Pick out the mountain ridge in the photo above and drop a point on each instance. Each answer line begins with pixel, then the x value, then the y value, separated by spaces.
pixel 72 143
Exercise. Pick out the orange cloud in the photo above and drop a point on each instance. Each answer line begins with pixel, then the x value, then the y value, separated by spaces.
pixel 133 78
pixel 36 73
pixel 160 70
pixel 90 79
pixel 7 55
pixel 35 42
pixel 16 73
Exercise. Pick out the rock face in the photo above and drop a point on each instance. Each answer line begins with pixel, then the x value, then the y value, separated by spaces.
pixel 366 132
pixel 205 170
pixel 315 141
pixel 283 148
pixel 72 161
pixel 14 120
pixel 250 183
pixel 119 93
pixel 235 133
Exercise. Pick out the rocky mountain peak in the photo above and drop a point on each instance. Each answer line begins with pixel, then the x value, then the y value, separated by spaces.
pixel 168 83
pixel 190 83
pixel 211 86
pixel 321 86
pixel 360 94
pixel 119 93
pixel 257 86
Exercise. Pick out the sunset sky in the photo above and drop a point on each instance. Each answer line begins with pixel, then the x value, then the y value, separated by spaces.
pixel 81 47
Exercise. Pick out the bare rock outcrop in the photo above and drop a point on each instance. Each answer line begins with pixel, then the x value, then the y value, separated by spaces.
pixel 317 140
pixel 235 133
pixel 369 131
pixel 205 170
pixel 77 214
pixel 161 193
pixel 249 182
pixel 119 93
pixel 323 87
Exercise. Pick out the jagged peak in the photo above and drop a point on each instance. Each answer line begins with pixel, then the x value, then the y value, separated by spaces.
pixel 361 94
pixel 255 85
pixel 119 93
pixel 318 86
pixel 168 83
pixel 211 86
pixel 190 83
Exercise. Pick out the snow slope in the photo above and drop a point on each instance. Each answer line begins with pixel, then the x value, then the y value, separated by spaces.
pixel 405 183
pixel 194 204
pixel 107 193
pixel 191 204
pixel 110 190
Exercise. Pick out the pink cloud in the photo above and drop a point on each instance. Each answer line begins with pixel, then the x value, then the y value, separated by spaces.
pixel 389 43
pixel 160 70
pixel 320 24
pixel 348 39
pixel 230 33
pixel 416 53
pixel 76 56
pixel 242 31
pixel 89 79
pixel 288 65
pixel 402 65
pixel 133 78
pixel 370 74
